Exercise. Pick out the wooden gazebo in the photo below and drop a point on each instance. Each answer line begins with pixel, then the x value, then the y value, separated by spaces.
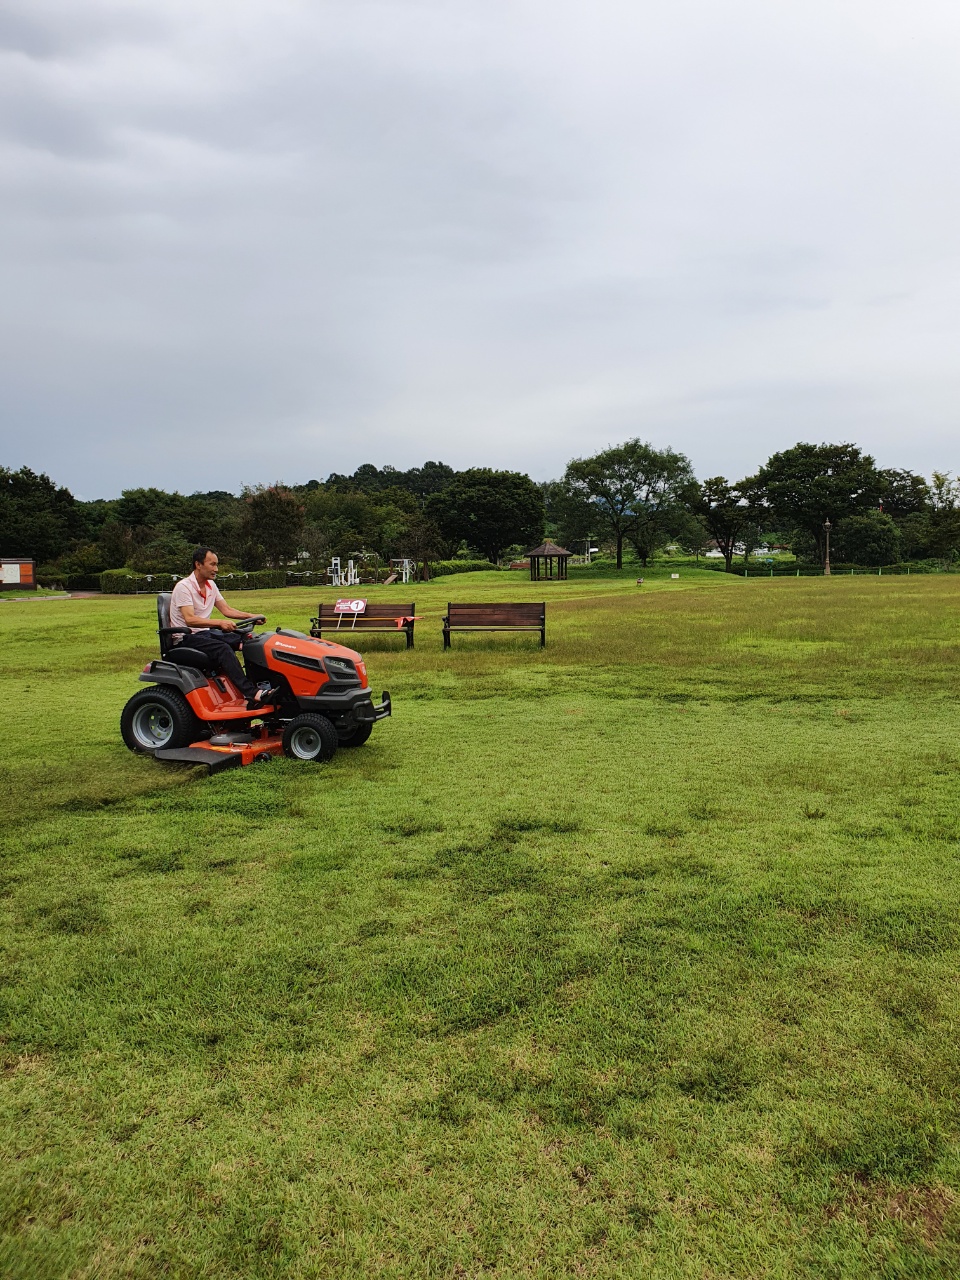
pixel 543 559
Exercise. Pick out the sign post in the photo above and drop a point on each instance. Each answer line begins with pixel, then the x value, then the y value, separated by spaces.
pixel 346 607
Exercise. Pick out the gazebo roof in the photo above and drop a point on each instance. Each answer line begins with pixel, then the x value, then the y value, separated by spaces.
pixel 548 548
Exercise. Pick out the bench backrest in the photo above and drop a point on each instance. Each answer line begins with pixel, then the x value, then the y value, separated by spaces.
pixel 372 615
pixel 499 615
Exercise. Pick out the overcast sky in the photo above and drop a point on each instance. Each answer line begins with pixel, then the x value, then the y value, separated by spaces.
pixel 247 241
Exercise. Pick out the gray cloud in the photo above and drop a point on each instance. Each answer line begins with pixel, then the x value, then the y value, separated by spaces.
pixel 244 242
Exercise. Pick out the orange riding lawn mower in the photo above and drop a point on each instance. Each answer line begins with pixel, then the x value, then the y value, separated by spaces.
pixel 321 700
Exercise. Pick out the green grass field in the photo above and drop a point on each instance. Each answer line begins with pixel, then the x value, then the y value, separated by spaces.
pixel 634 957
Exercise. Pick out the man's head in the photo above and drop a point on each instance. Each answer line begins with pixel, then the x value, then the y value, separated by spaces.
pixel 205 564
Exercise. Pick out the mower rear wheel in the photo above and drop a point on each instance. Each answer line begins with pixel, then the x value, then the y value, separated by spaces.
pixel 358 737
pixel 310 737
pixel 157 718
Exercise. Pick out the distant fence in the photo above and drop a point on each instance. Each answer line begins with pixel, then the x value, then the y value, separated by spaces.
pixel 117 582
pixel 836 571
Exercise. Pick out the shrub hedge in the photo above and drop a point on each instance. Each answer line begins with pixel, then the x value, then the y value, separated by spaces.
pixel 69 581
pixel 124 582
pixel 256 580
pixel 441 568
pixel 307 578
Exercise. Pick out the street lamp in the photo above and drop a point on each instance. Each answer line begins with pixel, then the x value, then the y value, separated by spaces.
pixel 826 563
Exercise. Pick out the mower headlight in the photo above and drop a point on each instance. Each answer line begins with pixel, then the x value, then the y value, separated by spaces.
pixel 340 668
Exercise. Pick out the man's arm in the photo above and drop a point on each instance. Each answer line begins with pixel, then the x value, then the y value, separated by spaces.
pixel 191 619
pixel 229 612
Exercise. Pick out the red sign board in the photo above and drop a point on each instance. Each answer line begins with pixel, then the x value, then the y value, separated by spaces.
pixel 349 606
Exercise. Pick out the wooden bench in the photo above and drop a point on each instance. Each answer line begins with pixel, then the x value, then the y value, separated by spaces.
pixel 376 617
pixel 495 617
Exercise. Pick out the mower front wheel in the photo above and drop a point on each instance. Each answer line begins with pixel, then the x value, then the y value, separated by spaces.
pixel 310 737
pixel 157 718
pixel 358 737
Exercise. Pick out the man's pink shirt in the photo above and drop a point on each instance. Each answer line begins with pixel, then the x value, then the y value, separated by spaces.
pixel 188 591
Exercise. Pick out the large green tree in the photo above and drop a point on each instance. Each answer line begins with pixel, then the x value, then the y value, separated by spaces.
pixel 571 519
pixel 943 527
pixel 725 512
pixel 872 538
pixel 167 551
pixel 213 519
pixel 37 517
pixel 148 526
pixel 904 493
pixel 149 508
pixel 636 492
pixel 422 542
pixel 368 478
pixel 807 485
pixel 489 510
pixel 274 519
pixel 432 477
pixel 343 522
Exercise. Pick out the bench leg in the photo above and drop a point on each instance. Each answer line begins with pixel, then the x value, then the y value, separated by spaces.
pixel 543 638
pixel 409 635
pixel 446 637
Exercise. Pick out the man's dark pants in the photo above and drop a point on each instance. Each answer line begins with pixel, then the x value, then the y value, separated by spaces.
pixel 220 645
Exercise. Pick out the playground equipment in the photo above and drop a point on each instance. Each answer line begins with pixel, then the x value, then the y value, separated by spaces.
pixel 340 577
pixel 403 569
pixel 368 566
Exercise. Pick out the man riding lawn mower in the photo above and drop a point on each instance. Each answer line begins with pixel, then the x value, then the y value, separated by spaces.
pixel 299 696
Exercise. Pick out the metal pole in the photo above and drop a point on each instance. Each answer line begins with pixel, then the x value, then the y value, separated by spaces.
pixel 826 563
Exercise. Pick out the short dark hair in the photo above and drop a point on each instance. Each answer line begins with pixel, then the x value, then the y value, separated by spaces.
pixel 201 554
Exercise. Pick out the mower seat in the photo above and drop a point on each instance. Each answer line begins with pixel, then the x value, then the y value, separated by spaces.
pixel 182 655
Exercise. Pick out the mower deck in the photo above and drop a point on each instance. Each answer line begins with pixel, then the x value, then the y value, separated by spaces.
pixel 227 755
pixel 215 761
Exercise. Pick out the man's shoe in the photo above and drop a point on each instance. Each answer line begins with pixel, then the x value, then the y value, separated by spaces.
pixel 263 697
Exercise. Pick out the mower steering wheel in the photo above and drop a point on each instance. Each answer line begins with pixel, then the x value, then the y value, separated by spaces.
pixel 246 625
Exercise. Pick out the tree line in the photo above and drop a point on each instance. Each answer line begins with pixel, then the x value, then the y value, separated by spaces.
pixel 628 498
pixel 647 497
